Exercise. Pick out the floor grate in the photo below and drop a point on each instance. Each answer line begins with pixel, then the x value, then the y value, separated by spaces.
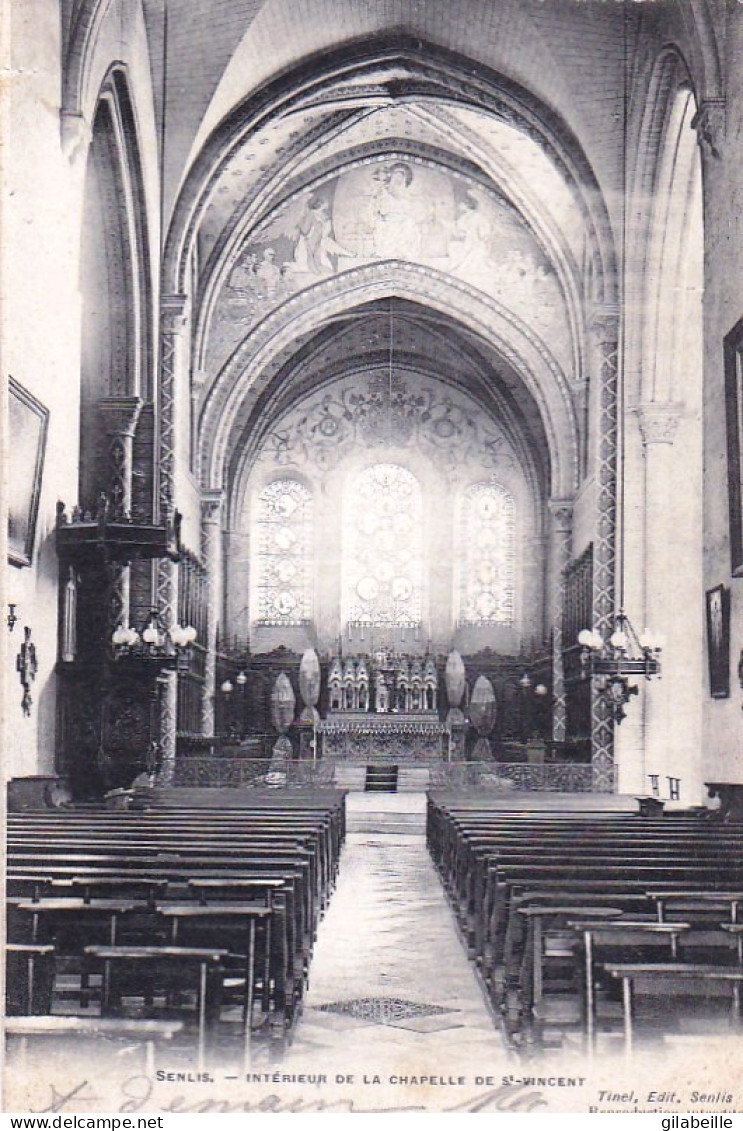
pixel 383 1010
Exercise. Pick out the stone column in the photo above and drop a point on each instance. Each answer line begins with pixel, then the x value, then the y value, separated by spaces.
pixel 211 552
pixel 605 334
pixel 172 324
pixel 120 416
pixel 561 514
pixel 658 426
pixel 535 617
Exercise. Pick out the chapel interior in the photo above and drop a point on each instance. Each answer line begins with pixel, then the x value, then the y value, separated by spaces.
pixel 374 430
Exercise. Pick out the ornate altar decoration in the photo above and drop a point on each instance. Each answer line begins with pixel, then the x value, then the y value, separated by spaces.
pixel 283 702
pixel 483 710
pixel 456 683
pixel 309 689
pixel 387 682
pixel 383 707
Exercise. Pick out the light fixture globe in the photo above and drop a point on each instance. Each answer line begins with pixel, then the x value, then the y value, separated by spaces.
pixel 151 633
pixel 123 637
pixel 182 636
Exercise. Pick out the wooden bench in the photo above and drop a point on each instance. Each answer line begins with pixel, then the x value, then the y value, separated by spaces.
pixel 284 856
pixel 676 973
pixel 118 963
pixel 622 932
pixel 29 978
pixel 509 874
pixel 150 1032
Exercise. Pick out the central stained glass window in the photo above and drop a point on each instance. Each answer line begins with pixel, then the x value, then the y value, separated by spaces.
pixel 383 546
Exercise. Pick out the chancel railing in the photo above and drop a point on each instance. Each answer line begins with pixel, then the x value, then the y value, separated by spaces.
pixel 240 772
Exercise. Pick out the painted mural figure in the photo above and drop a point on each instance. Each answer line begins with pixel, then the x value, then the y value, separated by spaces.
pixel 469 249
pixel 397 231
pixel 268 274
pixel 244 274
pixel 316 250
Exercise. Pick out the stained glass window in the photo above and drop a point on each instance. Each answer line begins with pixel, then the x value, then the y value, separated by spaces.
pixel 487 520
pixel 383 546
pixel 283 531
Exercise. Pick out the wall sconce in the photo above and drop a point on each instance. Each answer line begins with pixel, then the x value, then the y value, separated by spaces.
pixel 525 684
pixel 11 617
pixel 154 643
pixel 241 679
pixel 227 687
pixel 26 664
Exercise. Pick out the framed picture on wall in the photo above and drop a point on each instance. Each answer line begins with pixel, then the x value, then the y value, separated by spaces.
pixel 27 426
pixel 718 641
pixel 734 417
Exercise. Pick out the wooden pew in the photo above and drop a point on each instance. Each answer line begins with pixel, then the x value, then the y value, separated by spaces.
pixel 287 853
pixel 500 868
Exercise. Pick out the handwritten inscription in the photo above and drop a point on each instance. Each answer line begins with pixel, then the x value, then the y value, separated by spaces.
pixel 138 1093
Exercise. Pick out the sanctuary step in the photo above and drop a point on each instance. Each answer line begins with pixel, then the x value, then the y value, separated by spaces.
pixel 349 777
pixel 413 779
pixel 381 779
pixel 395 814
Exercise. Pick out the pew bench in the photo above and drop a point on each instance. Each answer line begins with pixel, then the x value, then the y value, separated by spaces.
pixel 673 975
pixel 163 969
pixel 625 932
pixel 149 1032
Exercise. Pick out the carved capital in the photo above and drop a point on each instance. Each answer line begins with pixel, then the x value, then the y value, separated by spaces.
pixel 659 422
pixel 561 511
pixel 121 414
pixel 74 134
pixel 173 311
pixel 604 323
pixel 709 122
pixel 212 499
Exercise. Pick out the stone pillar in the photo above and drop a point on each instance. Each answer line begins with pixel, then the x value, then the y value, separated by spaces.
pixel 561 513
pixel 535 617
pixel 120 416
pixel 658 426
pixel 605 333
pixel 211 552
pixel 172 323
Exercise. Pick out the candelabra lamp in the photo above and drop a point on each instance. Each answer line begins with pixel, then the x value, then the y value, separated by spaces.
pixel 611 663
pixel 154 645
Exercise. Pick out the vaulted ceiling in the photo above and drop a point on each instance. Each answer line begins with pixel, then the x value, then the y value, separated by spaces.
pixel 280 137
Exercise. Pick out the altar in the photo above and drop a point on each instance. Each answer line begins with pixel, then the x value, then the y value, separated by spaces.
pixel 383 707
pixel 359 736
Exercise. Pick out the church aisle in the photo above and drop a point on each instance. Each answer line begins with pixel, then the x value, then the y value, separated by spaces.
pixel 391 990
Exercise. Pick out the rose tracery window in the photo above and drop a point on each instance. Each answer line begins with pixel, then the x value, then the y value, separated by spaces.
pixel 383 546
pixel 283 532
pixel 487 521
